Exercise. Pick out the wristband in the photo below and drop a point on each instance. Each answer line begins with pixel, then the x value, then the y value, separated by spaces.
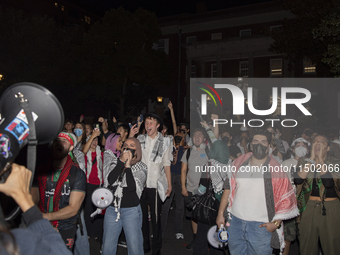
pixel 127 166
pixel 277 224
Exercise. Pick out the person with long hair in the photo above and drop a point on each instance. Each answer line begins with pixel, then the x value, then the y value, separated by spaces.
pixel 79 131
pixel 126 180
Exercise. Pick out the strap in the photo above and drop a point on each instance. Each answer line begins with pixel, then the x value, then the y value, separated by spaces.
pixel 188 155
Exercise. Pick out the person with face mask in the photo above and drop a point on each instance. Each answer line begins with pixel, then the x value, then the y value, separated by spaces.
pixel 299 149
pixel 126 180
pixel 317 182
pixel 258 199
pixel 234 150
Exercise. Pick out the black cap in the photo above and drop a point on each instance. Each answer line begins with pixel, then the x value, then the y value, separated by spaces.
pixel 154 116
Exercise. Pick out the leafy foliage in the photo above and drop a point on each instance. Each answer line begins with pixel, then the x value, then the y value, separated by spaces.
pixel 309 34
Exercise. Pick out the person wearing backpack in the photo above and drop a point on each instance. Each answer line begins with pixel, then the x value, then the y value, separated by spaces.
pixel 192 160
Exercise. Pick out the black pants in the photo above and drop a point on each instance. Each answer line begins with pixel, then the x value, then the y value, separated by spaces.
pixel 201 244
pixel 68 236
pixel 94 226
pixel 149 198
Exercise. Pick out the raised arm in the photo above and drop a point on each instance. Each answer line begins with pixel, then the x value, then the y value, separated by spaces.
pixel 174 125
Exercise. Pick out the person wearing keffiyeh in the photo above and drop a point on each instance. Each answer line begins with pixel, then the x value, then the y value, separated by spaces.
pixel 60 189
pixel 126 180
pixel 259 199
pixel 318 193
pixel 94 178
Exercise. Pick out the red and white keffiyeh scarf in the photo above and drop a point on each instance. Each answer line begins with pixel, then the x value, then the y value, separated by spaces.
pixel 284 196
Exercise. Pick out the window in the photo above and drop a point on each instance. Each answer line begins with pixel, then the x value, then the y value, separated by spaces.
pixel 275 28
pixel 308 66
pixel 245 32
pixel 244 68
pixel 276 66
pixel 63 8
pixel 213 70
pixel 191 39
pixel 163 45
pixel 87 19
pixel 193 71
pixel 216 36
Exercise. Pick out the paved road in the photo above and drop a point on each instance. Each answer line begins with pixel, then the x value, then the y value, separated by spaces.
pixel 171 246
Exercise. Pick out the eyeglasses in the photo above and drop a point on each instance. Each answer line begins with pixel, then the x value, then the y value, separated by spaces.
pixel 183 131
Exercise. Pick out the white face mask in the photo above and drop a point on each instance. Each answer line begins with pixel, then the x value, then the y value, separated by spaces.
pixel 300 151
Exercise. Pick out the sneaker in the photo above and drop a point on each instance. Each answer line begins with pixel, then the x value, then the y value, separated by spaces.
pixel 179 236
pixel 122 244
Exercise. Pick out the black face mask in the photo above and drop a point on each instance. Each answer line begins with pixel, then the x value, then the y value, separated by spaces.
pixel 132 151
pixel 178 139
pixel 259 151
pixel 225 139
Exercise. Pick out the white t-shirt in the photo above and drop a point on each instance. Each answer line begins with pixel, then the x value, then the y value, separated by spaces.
pixel 154 169
pixel 250 200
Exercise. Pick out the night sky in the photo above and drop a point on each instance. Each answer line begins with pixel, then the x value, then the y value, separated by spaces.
pixel 164 8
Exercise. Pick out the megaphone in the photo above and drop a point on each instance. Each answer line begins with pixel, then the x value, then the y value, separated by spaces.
pixel 30 114
pixel 47 113
pixel 218 237
pixel 101 198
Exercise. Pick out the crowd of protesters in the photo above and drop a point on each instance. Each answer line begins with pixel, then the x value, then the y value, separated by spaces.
pixel 148 171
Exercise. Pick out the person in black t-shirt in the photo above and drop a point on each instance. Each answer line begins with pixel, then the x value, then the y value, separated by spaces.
pixel 60 188
pixel 126 180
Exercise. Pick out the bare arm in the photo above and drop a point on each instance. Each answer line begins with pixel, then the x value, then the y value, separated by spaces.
pixel 35 195
pixel 223 205
pixel 173 119
pixel 76 199
pixel 184 169
pixel 216 129
pixel 87 146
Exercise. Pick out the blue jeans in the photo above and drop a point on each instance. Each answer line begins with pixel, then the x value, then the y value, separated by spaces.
pixel 247 238
pixel 131 221
pixel 81 246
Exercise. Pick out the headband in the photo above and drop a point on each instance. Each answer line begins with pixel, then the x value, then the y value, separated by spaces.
pixel 67 137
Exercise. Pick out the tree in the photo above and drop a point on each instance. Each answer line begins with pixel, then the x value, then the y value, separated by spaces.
pixel 307 35
pixel 34 49
pixel 329 31
pixel 119 63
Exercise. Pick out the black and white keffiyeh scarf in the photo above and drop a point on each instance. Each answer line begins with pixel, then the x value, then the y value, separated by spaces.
pixel 161 145
pixel 99 163
pixel 110 162
pixel 139 174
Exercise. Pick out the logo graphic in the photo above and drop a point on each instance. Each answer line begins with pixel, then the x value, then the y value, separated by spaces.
pixel 281 97
pixel 204 97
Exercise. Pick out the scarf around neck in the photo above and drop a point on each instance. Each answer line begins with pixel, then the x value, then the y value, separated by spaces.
pixel 99 164
pixel 160 147
pixel 280 196
pixel 42 179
